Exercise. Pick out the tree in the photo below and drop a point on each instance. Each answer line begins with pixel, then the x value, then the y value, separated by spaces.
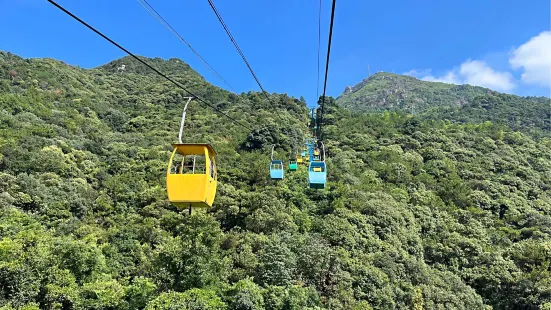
pixel 194 299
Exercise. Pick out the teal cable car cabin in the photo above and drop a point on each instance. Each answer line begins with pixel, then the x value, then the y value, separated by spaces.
pixel 294 159
pixel 293 165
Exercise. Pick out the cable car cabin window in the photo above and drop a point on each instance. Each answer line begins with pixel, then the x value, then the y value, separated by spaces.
pixel 212 169
pixel 177 164
pixel 317 168
pixel 191 164
pixel 276 166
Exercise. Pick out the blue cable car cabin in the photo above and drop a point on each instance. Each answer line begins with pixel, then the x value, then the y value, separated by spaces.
pixel 276 170
pixel 317 174
pixel 317 156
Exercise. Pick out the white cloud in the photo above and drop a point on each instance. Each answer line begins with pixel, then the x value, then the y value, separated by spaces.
pixel 473 72
pixel 417 73
pixel 450 78
pixel 534 57
pixel 476 72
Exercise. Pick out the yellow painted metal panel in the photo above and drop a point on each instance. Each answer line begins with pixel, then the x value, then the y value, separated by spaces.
pixel 212 180
pixel 184 189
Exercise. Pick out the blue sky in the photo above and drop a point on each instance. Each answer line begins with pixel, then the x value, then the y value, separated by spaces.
pixel 470 41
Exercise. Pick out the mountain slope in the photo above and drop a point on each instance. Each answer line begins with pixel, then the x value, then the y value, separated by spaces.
pixel 418 214
pixel 461 103
pixel 383 91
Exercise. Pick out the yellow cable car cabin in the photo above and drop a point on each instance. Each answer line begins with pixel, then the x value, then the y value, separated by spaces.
pixel 191 178
pixel 299 158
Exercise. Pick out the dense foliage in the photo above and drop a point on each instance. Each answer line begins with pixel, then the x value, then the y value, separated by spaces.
pixel 458 103
pixel 417 215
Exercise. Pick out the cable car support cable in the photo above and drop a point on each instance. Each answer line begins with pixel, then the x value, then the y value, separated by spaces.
pixel 319 44
pixel 221 20
pixel 326 68
pixel 161 20
pixel 148 65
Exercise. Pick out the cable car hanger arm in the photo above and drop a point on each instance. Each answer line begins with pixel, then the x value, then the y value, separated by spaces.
pixel 184 118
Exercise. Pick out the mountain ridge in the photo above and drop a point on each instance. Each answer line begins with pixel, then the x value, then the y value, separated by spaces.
pixel 352 90
pixel 437 100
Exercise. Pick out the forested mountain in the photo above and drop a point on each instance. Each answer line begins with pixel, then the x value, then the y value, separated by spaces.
pixel 418 214
pixel 384 91
pixel 459 103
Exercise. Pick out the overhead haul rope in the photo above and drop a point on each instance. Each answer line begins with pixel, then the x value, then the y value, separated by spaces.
pixel 319 44
pixel 326 68
pixel 148 65
pixel 161 20
pixel 240 53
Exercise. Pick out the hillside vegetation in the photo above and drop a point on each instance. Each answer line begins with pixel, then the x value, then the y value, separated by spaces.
pixel 418 214
pixel 459 103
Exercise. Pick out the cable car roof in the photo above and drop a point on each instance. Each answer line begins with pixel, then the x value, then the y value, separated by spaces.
pixel 191 145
